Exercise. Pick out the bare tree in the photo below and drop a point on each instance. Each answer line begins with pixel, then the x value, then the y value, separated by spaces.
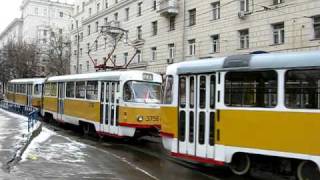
pixel 18 60
pixel 58 53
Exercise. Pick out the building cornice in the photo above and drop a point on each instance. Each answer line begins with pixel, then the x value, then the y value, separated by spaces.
pixel 46 2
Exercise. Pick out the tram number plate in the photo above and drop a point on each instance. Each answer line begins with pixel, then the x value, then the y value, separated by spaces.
pixel 152 118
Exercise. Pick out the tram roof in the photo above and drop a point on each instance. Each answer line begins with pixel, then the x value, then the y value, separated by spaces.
pixel 248 61
pixel 28 81
pixel 110 75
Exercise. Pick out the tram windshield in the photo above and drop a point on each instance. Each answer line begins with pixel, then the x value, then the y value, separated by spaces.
pixel 142 92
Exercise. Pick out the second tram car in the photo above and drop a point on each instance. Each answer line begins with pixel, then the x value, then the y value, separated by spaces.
pixel 244 109
pixel 25 92
pixel 115 103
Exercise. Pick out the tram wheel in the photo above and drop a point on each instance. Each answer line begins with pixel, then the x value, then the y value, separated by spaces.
pixel 240 164
pixel 308 170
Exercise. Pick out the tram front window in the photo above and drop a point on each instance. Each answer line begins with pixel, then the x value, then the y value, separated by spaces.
pixel 142 92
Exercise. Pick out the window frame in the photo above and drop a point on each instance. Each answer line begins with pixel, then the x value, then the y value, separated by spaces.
pixel 250 106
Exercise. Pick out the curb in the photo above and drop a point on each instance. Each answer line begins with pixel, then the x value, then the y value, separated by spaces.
pixel 23 146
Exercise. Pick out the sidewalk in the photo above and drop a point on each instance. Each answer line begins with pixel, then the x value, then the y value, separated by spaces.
pixel 13 137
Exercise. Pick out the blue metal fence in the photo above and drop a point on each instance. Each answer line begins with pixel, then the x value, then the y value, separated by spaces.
pixel 31 112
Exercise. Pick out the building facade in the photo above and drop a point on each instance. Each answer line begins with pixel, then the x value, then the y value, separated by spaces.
pixel 170 31
pixel 13 32
pixel 43 19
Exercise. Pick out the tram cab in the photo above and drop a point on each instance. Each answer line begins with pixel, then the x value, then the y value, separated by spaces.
pixel 241 109
pixel 115 103
pixel 25 92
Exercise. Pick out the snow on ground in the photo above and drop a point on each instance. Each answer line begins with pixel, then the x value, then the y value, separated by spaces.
pixel 44 146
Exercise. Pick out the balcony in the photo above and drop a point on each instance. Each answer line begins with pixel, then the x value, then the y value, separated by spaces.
pixel 168 8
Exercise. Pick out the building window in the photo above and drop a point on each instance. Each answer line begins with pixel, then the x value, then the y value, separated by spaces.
pixel 127 14
pixel 172 23
pixel 81 36
pixel 105 43
pixel 154 28
pixel 98 7
pixel 244 38
pixel 215 43
pixel 80 68
pixel 97 26
pixel 316 27
pixel 88 46
pixel 116 15
pixel 275 2
pixel 125 57
pixel 89 30
pixel 115 1
pixel 90 11
pixel 61 14
pixel 77 23
pixel 81 52
pixel 36 11
pixel 75 52
pixel 105 21
pixel 244 5
pixel 154 53
pixel 88 66
pixel 139 8
pixel 139 32
pixel 96 44
pixel 278 33
pixel 154 5
pixel 192 47
pixel 107 4
pixel 114 58
pixel 60 31
pixel 83 5
pixel 302 89
pixel 192 17
pixel 215 10
pixel 172 51
pixel 251 89
pixel 139 56
pixel 45 32
pixel 45 12
pixel 78 9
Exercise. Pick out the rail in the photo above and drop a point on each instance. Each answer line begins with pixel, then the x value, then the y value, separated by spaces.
pixel 31 112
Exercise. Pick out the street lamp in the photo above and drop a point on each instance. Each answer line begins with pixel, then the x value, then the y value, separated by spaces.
pixel 78 43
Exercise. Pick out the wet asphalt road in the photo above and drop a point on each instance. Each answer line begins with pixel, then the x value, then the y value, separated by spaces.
pixel 61 153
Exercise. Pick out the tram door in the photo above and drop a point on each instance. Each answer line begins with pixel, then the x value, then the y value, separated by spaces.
pixel 29 94
pixel 60 102
pixel 109 107
pixel 196 115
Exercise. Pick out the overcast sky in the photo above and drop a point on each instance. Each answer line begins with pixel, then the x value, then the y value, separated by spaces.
pixel 10 9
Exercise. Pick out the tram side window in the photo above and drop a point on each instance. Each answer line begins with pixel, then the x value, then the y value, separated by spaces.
pixel 70 90
pixel 212 91
pixel 251 89
pixel 37 89
pixel 53 89
pixel 127 92
pixel 168 91
pixel 92 90
pixel 80 90
pixel 192 92
pixel 302 89
pixel 182 92
pixel 47 89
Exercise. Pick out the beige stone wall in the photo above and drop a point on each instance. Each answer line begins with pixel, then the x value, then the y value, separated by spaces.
pixel 299 34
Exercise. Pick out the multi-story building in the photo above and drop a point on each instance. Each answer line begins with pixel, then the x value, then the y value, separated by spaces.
pixel 13 32
pixel 177 30
pixel 40 19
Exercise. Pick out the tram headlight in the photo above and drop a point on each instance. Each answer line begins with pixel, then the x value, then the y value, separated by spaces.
pixel 140 118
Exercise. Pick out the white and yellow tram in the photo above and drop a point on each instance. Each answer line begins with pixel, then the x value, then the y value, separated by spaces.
pixel 241 109
pixel 25 92
pixel 115 103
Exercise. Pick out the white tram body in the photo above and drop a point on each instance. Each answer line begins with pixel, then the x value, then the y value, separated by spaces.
pixel 115 103
pixel 260 104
